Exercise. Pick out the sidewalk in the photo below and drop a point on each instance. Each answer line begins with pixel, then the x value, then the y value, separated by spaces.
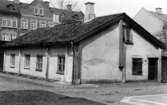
pixel 39 82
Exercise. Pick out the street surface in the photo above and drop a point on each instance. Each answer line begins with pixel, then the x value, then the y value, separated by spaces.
pixel 110 94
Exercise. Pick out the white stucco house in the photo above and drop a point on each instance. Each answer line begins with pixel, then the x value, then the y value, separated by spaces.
pixel 108 48
pixel 155 22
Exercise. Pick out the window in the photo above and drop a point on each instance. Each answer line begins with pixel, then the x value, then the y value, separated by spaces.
pixel 137 66
pixel 38 11
pixel 61 64
pixel 33 24
pixel 24 23
pixel 15 23
pixel 27 61
pixel 41 11
pixel 9 22
pixel 56 18
pixel 42 24
pixel 12 60
pixel 50 24
pixel 127 35
pixel 4 23
pixel 39 63
pixel 8 35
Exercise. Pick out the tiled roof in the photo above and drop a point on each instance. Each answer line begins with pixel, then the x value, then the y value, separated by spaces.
pixel 76 32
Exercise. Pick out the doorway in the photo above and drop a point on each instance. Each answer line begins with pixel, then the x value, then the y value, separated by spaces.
pixel 152 68
pixel 1 62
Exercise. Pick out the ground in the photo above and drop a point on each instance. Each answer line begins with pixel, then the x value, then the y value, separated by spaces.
pixel 40 97
pixel 110 94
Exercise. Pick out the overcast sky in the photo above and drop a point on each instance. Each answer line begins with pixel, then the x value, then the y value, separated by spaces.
pixel 131 7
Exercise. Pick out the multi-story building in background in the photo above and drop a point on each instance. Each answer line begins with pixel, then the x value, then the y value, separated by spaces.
pixel 9 20
pixel 18 18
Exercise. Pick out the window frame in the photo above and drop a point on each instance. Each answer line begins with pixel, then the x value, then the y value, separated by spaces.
pixel 39 63
pixel 12 60
pixel 33 24
pixel 27 65
pixel 61 59
pixel 137 66
pixel 127 35
pixel 38 11
pixel 24 23
pixel 42 24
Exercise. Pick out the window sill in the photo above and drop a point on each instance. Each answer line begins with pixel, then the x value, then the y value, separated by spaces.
pixel 60 73
pixel 137 74
pixel 129 43
pixel 27 68
pixel 12 66
pixel 39 70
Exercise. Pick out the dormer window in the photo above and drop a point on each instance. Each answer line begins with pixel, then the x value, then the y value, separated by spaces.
pixel 56 18
pixel 38 11
pixel 127 35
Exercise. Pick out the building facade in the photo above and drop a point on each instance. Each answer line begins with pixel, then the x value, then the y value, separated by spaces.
pixel 155 23
pixel 9 20
pixel 20 18
pixel 110 48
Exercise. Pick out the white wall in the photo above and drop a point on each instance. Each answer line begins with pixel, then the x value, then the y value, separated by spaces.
pixel 32 71
pixel 7 66
pixel 151 23
pixel 67 77
pixel 53 60
pixel 100 57
pixel 140 49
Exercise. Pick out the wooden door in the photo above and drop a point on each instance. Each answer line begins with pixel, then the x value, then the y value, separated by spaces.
pixel 152 68
pixel 164 69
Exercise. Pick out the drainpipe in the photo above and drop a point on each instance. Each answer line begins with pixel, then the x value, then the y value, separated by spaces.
pixel 76 72
pixel 122 53
pixel 20 55
pixel 47 64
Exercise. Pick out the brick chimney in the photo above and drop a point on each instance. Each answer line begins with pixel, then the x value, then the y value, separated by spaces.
pixel 47 3
pixel 17 1
pixel 69 7
pixel 89 11
pixel 158 10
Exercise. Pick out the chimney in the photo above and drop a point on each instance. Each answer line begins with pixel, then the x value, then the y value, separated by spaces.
pixel 89 11
pixel 158 10
pixel 47 3
pixel 17 1
pixel 69 7
pixel 38 0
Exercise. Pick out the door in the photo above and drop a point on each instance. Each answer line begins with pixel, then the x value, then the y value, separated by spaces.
pixel 164 69
pixel 1 62
pixel 152 68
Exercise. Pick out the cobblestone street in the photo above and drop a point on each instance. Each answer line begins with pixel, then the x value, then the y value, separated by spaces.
pixel 110 94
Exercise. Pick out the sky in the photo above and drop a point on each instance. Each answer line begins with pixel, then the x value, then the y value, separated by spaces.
pixel 131 7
